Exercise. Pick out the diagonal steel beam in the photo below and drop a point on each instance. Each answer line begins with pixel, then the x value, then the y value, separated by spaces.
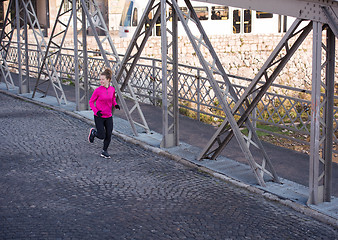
pixel 259 92
pixel 124 72
pixel 332 19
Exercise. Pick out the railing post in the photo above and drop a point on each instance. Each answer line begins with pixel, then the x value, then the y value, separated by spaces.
pixel 154 81
pixel 198 95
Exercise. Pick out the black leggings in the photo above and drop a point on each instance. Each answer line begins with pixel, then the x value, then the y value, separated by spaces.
pixel 104 127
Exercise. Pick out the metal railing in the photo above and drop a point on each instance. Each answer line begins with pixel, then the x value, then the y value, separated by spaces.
pixel 290 111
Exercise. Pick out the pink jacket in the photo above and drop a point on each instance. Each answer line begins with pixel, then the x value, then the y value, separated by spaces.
pixel 103 99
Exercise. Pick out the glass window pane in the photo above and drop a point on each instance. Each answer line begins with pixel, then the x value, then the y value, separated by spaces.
pixel 236 21
pixel 219 13
pixel 202 13
pixel 247 21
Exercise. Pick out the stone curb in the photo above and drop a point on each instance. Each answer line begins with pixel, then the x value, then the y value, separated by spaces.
pixel 295 206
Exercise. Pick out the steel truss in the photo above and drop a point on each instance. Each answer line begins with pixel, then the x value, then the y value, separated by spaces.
pixel 51 71
pixel 256 90
pixel 227 97
pixel 170 83
pixel 5 42
pixel 50 59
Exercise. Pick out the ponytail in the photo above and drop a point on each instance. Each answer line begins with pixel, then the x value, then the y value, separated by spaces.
pixel 107 73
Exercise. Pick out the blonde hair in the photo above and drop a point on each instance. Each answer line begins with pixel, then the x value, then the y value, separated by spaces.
pixel 107 73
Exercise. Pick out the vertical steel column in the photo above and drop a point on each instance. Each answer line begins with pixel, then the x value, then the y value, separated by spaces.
pixel 174 46
pixel 316 193
pixel 24 86
pixel 330 72
pixel 169 103
pixel 76 57
pixel 18 28
pixel 23 71
pixel 84 105
pixel 164 43
pixel 4 47
pixel 81 90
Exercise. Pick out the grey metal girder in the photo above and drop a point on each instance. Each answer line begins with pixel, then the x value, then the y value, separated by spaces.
pixel 23 77
pixel 5 42
pixel 169 38
pixel 320 171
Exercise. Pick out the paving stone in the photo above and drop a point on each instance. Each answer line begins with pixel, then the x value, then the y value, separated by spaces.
pixel 54 185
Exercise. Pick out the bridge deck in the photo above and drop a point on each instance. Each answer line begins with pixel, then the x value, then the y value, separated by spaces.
pixel 290 165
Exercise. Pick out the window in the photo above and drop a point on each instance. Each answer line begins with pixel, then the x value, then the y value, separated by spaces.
pixel 242 21
pixel 260 14
pixel 219 13
pixel 236 21
pixel 247 21
pixel 135 22
pixel 202 13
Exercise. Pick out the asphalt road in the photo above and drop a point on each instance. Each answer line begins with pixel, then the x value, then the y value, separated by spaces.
pixel 54 185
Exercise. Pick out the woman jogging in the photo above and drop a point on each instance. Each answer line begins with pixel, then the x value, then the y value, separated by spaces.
pixel 101 102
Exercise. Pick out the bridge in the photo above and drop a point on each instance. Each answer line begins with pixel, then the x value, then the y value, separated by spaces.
pixel 315 16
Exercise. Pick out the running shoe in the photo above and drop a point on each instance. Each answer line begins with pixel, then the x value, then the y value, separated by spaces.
pixel 105 154
pixel 91 135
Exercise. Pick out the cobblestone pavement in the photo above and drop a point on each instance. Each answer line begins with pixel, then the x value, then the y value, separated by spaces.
pixel 54 185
